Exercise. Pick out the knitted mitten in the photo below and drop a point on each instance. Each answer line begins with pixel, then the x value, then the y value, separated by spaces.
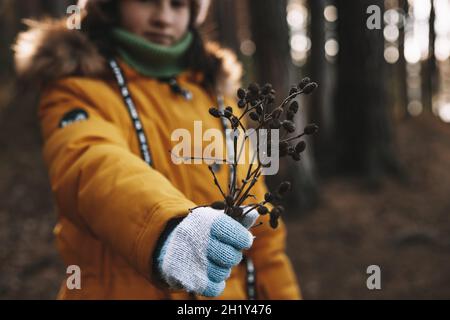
pixel 200 251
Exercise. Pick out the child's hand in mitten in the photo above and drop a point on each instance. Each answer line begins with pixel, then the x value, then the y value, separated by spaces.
pixel 200 252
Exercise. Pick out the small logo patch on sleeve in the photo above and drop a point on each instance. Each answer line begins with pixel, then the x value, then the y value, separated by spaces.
pixel 73 116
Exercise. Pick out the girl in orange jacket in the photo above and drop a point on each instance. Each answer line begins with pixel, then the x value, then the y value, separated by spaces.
pixel 113 93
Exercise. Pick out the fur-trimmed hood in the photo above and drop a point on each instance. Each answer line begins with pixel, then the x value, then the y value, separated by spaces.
pixel 48 50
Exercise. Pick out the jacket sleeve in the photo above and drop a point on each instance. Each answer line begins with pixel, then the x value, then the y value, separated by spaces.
pixel 99 184
pixel 275 277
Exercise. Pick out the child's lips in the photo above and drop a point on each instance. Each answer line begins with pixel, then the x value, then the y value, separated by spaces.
pixel 159 38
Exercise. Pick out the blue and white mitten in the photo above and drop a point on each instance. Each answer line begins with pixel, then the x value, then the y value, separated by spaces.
pixel 199 253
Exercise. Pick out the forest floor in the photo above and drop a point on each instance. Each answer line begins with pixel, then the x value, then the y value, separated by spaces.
pixel 403 227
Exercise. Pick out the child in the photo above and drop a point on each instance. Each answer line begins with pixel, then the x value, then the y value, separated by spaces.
pixel 112 94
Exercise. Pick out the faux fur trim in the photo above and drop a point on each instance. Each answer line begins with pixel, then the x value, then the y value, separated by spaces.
pixel 48 50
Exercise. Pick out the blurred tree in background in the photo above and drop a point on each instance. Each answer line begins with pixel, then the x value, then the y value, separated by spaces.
pixel 273 64
pixel 363 124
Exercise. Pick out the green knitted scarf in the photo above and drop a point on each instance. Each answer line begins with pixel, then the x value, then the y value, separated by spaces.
pixel 151 59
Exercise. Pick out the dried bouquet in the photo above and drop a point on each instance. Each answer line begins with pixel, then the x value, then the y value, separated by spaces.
pixel 257 103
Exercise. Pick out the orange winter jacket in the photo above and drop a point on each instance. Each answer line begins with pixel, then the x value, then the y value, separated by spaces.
pixel 112 207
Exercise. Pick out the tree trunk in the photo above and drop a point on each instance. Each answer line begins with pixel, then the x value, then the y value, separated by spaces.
pixel 324 72
pixel 429 67
pixel 363 136
pixel 401 66
pixel 274 65
pixel 224 13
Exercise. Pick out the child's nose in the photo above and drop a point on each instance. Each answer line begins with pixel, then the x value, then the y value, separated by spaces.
pixel 164 14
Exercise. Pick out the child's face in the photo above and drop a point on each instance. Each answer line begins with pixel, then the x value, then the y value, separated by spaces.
pixel 160 21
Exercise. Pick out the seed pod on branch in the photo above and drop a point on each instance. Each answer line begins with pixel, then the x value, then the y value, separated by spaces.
pixel 300 147
pixel 275 214
pixel 311 129
pixel 262 210
pixel 270 98
pixel 253 89
pixel 218 205
pixel 268 197
pixel 284 188
pixel 214 112
pixel 293 90
pixel 275 124
pixel 291 150
pixel 254 116
pixel 273 222
pixel 237 211
pixel 310 88
pixel 234 122
pixel 228 114
pixel 289 126
pixel 303 83
pixel 241 93
pixel 267 88
pixel 293 107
